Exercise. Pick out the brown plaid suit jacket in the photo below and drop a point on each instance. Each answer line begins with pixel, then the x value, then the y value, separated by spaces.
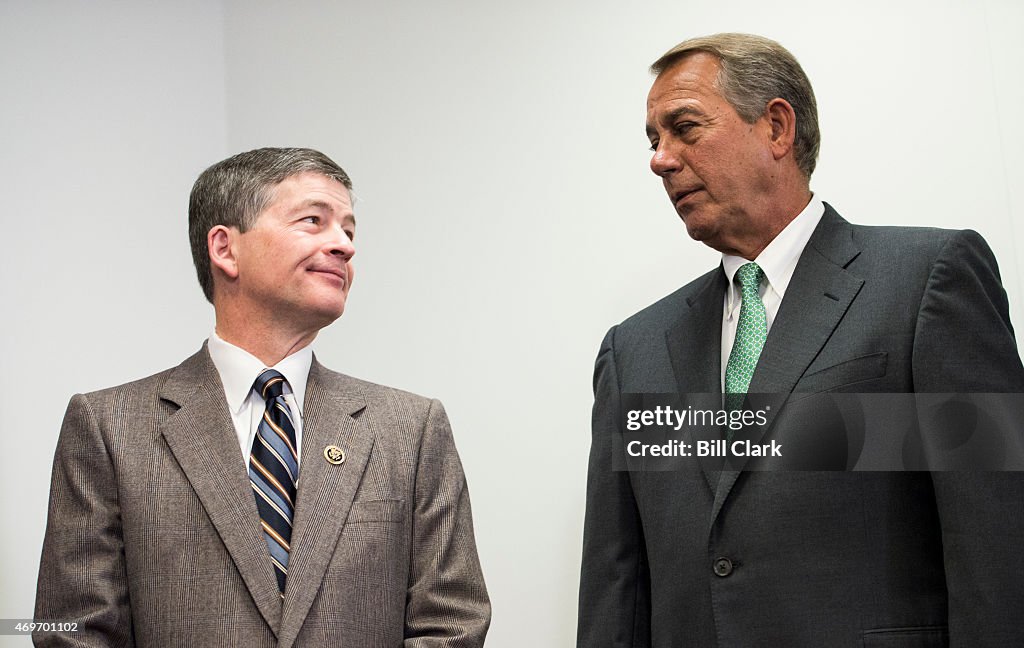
pixel 153 536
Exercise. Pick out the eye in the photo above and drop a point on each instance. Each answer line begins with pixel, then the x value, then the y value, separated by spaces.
pixel 313 220
pixel 684 127
pixel 654 145
pixel 351 234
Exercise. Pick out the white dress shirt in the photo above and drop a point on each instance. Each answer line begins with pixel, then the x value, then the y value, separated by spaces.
pixel 238 371
pixel 778 261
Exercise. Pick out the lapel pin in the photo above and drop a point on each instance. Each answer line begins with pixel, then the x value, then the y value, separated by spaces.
pixel 334 455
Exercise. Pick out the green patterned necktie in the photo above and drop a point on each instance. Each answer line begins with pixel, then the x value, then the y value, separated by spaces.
pixel 751 331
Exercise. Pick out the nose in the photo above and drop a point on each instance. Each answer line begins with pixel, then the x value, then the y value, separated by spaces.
pixel 340 244
pixel 663 162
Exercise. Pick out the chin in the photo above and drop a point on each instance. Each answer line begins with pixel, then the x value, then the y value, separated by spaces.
pixel 698 231
pixel 324 313
pixel 333 312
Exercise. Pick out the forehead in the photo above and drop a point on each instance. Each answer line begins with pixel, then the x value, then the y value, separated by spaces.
pixel 691 80
pixel 310 190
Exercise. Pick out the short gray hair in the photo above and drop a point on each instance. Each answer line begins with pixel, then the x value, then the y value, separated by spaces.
pixel 234 191
pixel 753 70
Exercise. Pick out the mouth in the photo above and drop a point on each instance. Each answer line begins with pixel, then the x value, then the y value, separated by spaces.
pixel 680 197
pixel 334 274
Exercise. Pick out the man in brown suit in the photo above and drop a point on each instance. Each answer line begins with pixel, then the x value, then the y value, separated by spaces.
pixel 249 496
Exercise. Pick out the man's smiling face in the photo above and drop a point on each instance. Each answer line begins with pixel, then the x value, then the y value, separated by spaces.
pixel 296 260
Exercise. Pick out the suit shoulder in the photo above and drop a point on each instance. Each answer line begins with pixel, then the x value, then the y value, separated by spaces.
pixel 374 392
pixel 148 385
pixel 122 411
pixel 915 241
pixel 666 310
pixel 399 420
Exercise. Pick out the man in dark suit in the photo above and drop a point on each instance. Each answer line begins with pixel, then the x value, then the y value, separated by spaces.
pixel 250 496
pixel 803 302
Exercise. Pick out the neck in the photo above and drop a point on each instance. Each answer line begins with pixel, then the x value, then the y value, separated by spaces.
pixel 264 338
pixel 783 210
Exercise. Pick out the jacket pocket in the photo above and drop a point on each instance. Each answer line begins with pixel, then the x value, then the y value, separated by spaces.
pixel 912 637
pixel 845 373
pixel 385 510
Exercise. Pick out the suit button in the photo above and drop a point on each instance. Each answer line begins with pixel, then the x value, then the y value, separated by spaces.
pixel 723 567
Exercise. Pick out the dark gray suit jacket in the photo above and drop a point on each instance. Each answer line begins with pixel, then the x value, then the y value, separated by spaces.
pixel 153 535
pixel 813 558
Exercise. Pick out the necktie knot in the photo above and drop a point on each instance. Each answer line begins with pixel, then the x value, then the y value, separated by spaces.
pixel 749 275
pixel 269 384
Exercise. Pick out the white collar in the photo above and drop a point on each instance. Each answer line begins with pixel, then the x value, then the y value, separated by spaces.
pixel 778 259
pixel 239 369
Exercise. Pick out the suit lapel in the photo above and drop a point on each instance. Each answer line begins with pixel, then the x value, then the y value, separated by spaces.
pixel 695 339
pixel 818 297
pixel 695 350
pixel 326 491
pixel 202 438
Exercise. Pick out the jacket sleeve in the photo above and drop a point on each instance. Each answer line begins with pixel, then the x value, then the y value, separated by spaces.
pixel 614 606
pixel 447 603
pixel 82 575
pixel 964 344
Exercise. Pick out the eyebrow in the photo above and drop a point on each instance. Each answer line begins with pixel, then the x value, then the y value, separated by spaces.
pixel 319 204
pixel 675 114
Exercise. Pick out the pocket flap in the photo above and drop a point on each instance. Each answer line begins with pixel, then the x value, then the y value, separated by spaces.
pixel 845 373
pixel 385 510
pixel 914 637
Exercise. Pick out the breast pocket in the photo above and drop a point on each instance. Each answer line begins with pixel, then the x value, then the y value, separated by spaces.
pixel 844 374
pixel 916 637
pixel 373 529
pixel 383 510
pixel 366 581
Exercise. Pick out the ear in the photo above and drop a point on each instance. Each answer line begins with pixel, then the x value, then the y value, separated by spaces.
pixel 220 246
pixel 782 119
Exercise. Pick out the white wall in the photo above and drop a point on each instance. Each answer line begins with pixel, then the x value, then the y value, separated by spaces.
pixel 507 216
pixel 109 110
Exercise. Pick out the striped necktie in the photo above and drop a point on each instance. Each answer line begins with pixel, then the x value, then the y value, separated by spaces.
pixel 274 471
pixel 751 332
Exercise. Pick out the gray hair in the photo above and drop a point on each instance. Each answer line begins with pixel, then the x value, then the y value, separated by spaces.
pixel 234 191
pixel 753 70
